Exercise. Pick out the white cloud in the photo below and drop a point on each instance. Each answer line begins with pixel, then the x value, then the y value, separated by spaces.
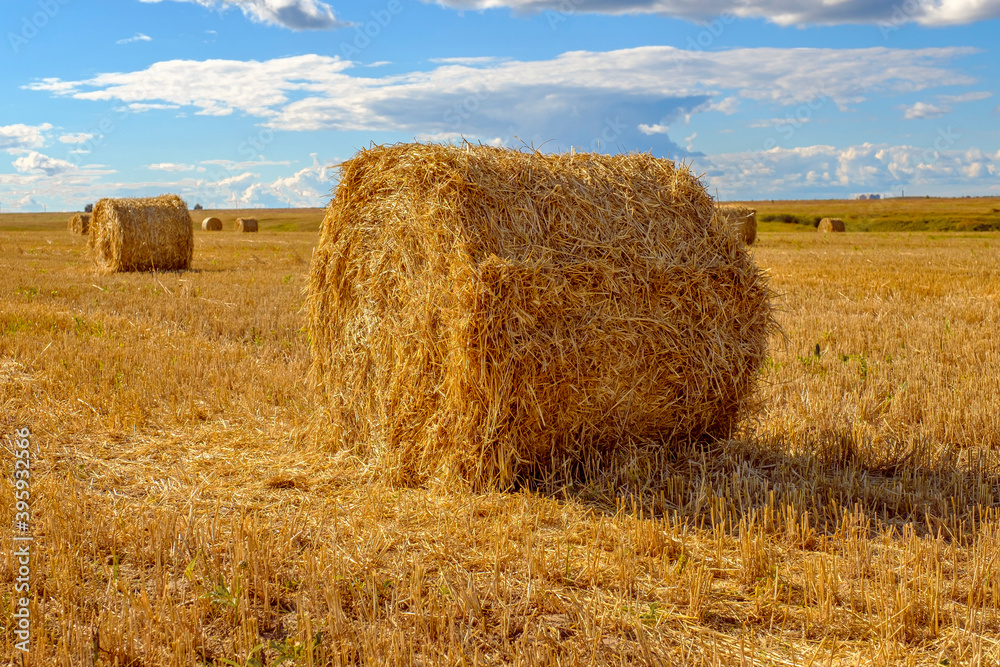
pixel 924 110
pixel 35 162
pixel 307 187
pixel 828 171
pixel 654 129
pixel 974 96
pixel 783 12
pixel 727 105
pixel 293 14
pixel 580 98
pixel 248 164
pixel 170 166
pixel 140 107
pixel 76 138
pixel 779 122
pixel 20 137
pixel 138 37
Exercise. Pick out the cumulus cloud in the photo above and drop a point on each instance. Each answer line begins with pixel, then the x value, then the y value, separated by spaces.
pixel 974 96
pixel 138 37
pixel 246 164
pixel 225 186
pixel 21 137
pixel 580 98
pixel 170 166
pixel 829 171
pixel 36 162
pixel 293 14
pixel 307 187
pixel 924 110
pixel 890 13
pixel 76 138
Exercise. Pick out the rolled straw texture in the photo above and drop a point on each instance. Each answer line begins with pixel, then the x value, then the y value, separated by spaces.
pixel 152 234
pixel 475 311
pixel 743 218
pixel 246 225
pixel 79 223
pixel 831 225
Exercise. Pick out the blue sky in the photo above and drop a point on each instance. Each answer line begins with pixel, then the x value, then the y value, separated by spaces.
pixel 247 103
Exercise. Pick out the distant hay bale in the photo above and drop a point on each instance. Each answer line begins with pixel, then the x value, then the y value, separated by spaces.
pixel 475 312
pixel 211 225
pixel 79 223
pixel 151 234
pixel 831 225
pixel 743 218
pixel 246 225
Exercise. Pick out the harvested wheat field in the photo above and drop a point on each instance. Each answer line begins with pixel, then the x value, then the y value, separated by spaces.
pixel 190 507
pixel 470 319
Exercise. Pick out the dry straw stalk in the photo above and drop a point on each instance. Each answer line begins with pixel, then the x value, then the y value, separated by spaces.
pixel 211 225
pixel 79 223
pixel 743 218
pixel 831 225
pixel 153 234
pixel 246 225
pixel 475 311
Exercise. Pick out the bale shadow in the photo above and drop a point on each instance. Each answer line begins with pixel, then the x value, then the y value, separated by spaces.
pixel 822 477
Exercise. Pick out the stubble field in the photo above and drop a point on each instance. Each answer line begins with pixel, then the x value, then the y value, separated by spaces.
pixel 188 508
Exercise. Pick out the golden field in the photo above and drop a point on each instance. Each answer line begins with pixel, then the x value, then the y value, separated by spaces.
pixel 189 510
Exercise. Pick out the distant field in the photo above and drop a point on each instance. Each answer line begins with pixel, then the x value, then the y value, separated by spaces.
pixel 909 214
pixel 270 219
pixel 916 214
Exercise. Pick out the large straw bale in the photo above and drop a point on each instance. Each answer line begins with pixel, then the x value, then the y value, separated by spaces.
pixel 743 218
pixel 211 224
pixel 79 223
pixel 152 234
pixel 476 311
pixel 246 225
pixel 831 225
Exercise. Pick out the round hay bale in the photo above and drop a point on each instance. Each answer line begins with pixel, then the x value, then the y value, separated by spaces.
pixel 79 224
pixel 152 234
pixel 743 218
pixel 211 224
pixel 246 225
pixel 831 225
pixel 474 311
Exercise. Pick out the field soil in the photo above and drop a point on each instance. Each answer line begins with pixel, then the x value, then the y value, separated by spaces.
pixel 190 507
